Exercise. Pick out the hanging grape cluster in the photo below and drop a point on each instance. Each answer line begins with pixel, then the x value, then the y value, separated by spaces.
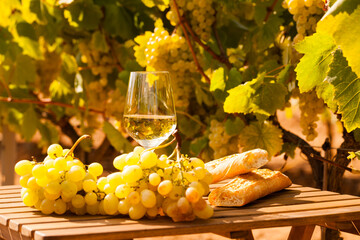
pixel 222 143
pixel 145 185
pixel 310 106
pixel 165 52
pixel 200 13
pixel 306 14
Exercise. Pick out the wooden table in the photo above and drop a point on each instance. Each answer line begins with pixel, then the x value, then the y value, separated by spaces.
pixel 297 206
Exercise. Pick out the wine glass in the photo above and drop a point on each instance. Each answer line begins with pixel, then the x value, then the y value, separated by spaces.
pixel 149 115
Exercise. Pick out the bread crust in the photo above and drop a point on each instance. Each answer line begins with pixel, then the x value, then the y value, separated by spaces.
pixel 233 165
pixel 249 187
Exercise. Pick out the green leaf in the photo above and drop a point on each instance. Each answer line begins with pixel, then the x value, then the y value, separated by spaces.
pixel 262 135
pixel 83 14
pixel 341 6
pixel 60 90
pixel 118 22
pixel 284 75
pixel 69 63
pixel 347 91
pixel 234 126
pixel 326 91
pixel 267 32
pixel 234 79
pixel 29 123
pixel 25 70
pixel 116 139
pixel 239 99
pixel 28 40
pixel 198 144
pixel 161 4
pixel 49 134
pixel 289 149
pixel 347 36
pixel 218 80
pixel 203 96
pixel 269 97
pixel 313 66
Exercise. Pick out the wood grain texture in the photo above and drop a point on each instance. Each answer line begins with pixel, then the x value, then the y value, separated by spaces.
pixel 295 206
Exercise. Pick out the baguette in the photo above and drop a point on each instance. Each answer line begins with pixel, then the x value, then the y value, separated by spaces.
pixel 249 187
pixel 233 165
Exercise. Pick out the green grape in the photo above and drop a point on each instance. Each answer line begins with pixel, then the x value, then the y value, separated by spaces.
pixel 199 205
pixel 111 203
pixel 30 198
pixel 60 164
pixel 133 198
pixel 90 198
pixel 115 179
pixel 69 188
pixel 101 182
pixel 78 201
pixel 196 162
pixel 152 212
pixel 154 179
pixel 176 192
pixel 120 162
pixel 95 169
pixel 165 187
pixel 192 194
pixel 75 174
pixel 24 180
pixel 109 188
pixel 132 174
pixel 49 163
pixel 53 187
pixel 206 213
pixel 200 172
pixel 136 212
pixel 42 182
pixel 124 207
pixel 184 205
pixel 23 167
pixel 51 196
pixel 47 206
pixel 122 191
pixel 132 159
pixel 148 198
pixel 39 171
pixel 89 185
pixel 55 151
pixel 52 174
pixel 148 159
pixel 60 207
pixel 93 209
pixel 198 186
pixel 31 184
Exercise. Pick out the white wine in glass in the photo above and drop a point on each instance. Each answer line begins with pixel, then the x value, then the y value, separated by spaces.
pixel 149 115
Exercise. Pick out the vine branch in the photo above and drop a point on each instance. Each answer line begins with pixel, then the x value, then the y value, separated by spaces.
pixel 189 43
pixel 269 10
pixel 223 56
pixel 44 102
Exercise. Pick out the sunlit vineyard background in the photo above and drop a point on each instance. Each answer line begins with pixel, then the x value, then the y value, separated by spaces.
pixel 240 82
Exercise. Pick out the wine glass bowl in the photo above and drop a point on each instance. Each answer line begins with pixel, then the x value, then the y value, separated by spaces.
pixel 149 115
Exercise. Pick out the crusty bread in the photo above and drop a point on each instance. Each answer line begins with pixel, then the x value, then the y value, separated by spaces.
pixel 233 165
pixel 249 187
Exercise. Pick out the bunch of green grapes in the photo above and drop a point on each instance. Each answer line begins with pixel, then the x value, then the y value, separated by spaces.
pixel 100 63
pixel 306 15
pixel 145 185
pixel 310 106
pixel 161 51
pixel 220 141
pixel 47 70
pixel 200 13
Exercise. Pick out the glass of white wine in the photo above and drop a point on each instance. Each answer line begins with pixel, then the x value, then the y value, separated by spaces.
pixel 149 115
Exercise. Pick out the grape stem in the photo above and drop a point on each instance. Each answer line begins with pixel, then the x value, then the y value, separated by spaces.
pixel 76 143
pixel 181 21
pixel 269 10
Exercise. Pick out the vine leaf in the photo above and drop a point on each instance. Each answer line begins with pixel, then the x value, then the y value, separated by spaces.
pixel 267 32
pixel 116 139
pixel 256 96
pixel 261 135
pixel 218 80
pixel 25 70
pixel 118 22
pixel 234 126
pixel 314 65
pixel 347 91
